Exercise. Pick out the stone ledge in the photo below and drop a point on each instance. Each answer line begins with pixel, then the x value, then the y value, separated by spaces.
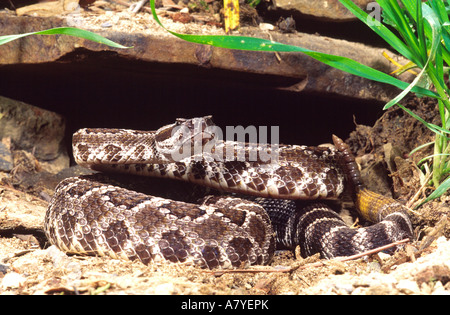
pixel 304 73
pixel 324 10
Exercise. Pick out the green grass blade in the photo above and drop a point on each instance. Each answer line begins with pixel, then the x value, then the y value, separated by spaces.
pixel 439 64
pixel 431 18
pixel 399 97
pixel 410 6
pixel 438 6
pixel 432 127
pixel 436 28
pixel 65 31
pixel 435 44
pixel 436 10
pixel 434 55
pixel 443 187
pixel 431 156
pixel 379 29
pixel 420 29
pixel 258 44
pixel 397 15
pixel 420 147
pixel 446 44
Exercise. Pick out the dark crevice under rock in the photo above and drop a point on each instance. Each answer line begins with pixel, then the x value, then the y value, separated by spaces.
pixel 98 91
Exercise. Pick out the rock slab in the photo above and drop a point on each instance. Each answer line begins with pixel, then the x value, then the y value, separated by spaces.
pixel 324 10
pixel 31 128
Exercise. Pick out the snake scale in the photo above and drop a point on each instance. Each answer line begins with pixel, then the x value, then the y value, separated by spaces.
pixel 286 206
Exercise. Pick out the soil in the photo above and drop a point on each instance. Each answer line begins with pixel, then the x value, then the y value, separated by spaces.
pixel 28 265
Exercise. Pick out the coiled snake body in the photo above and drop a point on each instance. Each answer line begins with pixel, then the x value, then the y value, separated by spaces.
pixel 90 216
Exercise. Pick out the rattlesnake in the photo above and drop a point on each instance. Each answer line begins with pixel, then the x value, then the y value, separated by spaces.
pixel 287 184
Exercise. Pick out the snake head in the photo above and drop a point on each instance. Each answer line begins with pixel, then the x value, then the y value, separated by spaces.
pixel 185 137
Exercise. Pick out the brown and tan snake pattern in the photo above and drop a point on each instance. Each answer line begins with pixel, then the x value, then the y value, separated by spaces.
pixel 287 204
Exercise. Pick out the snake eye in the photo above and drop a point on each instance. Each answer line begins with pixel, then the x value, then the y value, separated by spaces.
pixel 164 133
pixel 180 121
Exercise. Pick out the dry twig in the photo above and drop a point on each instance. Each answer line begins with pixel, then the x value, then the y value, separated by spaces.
pixel 312 265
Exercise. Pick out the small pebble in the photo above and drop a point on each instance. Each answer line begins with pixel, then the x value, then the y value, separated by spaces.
pixel 266 27
pixel 56 256
pixel 6 160
pixel 71 268
pixel 12 280
pixel 408 286
pixel 4 268
pixel 106 24
pixel 345 287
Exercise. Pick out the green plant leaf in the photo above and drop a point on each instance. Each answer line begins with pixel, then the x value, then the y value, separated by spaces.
pixel 379 29
pixel 65 31
pixel 420 147
pixel 399 97
pixel 439 8
pixel 403 26
pixel 443 187
pixel 430 17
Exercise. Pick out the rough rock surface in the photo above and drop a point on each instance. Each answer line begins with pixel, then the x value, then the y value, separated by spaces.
pixel 288 71
pixel 325 10
pixel 32 129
